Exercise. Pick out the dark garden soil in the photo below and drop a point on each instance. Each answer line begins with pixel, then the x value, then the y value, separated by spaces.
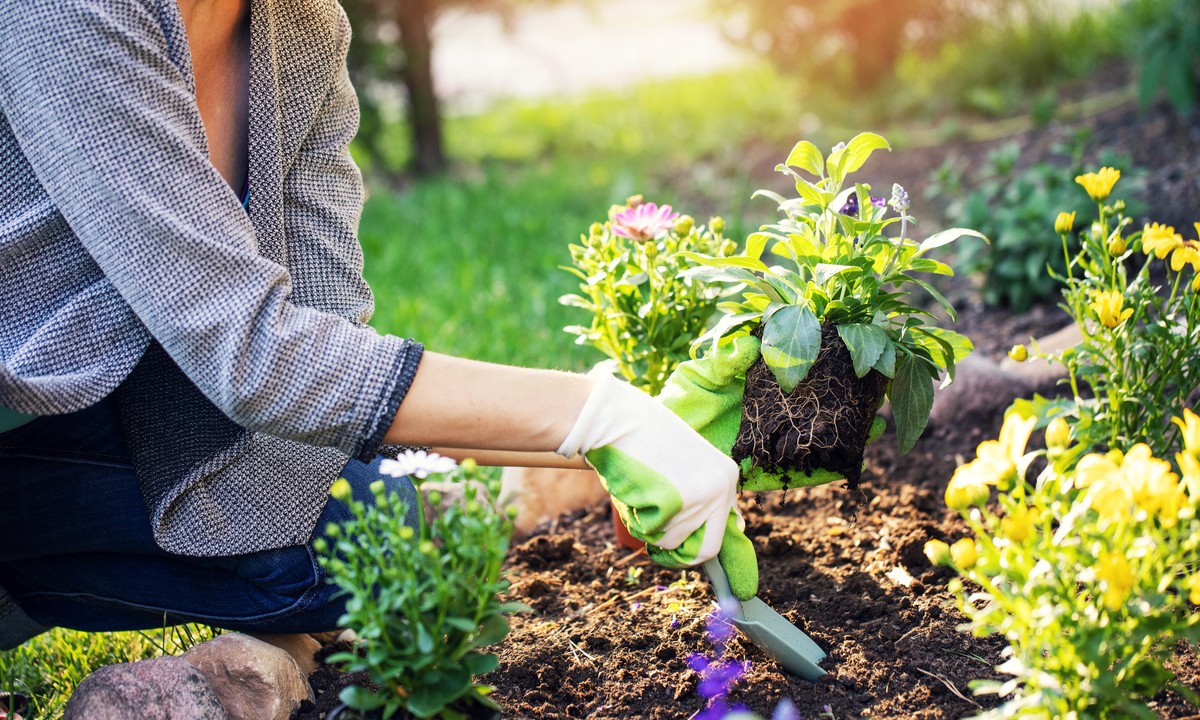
pixel 612 631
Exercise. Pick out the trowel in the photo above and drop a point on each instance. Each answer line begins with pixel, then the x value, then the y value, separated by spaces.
pixel 770 631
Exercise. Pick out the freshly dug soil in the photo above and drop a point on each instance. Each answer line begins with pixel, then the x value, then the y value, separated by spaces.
pixel 822 424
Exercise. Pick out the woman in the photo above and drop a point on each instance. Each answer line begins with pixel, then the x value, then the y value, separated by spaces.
pixel 185 365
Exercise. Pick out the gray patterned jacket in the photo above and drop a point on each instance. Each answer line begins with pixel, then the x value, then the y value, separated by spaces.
pixel 234 346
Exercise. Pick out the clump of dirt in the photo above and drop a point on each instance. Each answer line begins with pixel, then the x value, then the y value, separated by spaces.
pixel 822 424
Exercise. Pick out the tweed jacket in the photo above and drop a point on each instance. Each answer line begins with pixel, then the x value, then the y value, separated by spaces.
pixel 233 344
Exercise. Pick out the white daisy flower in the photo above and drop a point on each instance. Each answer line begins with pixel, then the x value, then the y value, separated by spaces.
pixel 417 463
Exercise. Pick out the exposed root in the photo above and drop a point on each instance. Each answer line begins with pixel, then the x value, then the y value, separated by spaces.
pixel 822 424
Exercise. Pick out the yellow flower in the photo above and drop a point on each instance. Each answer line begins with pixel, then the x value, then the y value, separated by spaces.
pixel 340 490
pixel 1058 434
pixel 1116 245
pixel 1155 487
pixel 964 553
pixel 1193 586
pixel 1196 284
pixel 1107 304
pixel 1118 578
pixel 1019 353
pixel 1094 468
pixel 1100 183
pixel 1018 525
pixel 998 460
pixel 1160 240
pixel 1186 254
pixel 938 552
pixel 1065 222
pixel 1189 426
pixel 967 487
pixel 1189 465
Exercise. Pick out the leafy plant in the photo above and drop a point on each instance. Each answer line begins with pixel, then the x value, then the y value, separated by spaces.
pixel 1086 571
pixel 644 310
pixel 1012 206
pixel 424 601
pixel 1169 51
pixel 842 272
pixel 1135 297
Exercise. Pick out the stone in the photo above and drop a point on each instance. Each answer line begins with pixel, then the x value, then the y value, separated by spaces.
pixel 254 679
pixel 165 688
pixel 300 646
pixel 1043 375
pixel 541 494
pixel 981 389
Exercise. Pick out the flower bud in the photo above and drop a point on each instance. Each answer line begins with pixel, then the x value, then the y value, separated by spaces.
pixel 684 224
pixel 1019 353
pixel 596 229
pixel 406 532
pixel 340 490
pixel 717 224
pixel 964 553
pixel 468 465
pixel 635 200
pixel 512 512
pixel 1064 223
pixel 1097 231
pixel 377 488
pixel 435 497
pixel 1058 434
pixel 1116 245
pixel 426 547
pixel 320 545
pixel 938 552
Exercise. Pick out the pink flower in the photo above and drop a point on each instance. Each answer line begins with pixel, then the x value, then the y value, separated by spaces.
pixel 644 222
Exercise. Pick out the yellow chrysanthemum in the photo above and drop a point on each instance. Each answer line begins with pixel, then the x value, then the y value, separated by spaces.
pixel 1116 245
pixel 1155 487
pixel 1186 254
pixel 1108 304
pixel 1019 525
pixel 1160 240
pixel 1058 434
pixel 968 486
pixel 1065 222
pixel 1100 183
pixel 999 459
pixel 1114 571
pixel 938 552
pixel 964 553
pixel 1094 468
pixel 1193 586
pixel 1189 466
pixel 1189 426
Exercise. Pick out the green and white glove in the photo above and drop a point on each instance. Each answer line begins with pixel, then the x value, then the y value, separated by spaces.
pixel 707 394
pixel 671 487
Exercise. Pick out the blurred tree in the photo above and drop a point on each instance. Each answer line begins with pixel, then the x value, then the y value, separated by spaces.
pixel 850 44
pixel 393 41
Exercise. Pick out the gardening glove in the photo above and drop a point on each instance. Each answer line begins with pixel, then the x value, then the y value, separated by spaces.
pixel 671 487
pixel 707 394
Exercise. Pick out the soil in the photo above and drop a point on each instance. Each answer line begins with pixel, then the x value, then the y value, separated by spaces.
pixel 612 632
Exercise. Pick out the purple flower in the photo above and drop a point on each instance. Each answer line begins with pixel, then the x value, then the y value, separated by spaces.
pixel 719 628
pixel 878 202
pixel 899 199
pixel 644 222
pixel 718 678
pixel 851 206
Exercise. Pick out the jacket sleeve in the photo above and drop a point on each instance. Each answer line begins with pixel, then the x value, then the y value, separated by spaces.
pixel 110 127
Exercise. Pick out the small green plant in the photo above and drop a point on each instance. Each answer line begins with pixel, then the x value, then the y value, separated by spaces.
pixel 1012 206
pixel 838 327
pixel 644 311
pixel 1135 297
pixel 424 601
pixel 1086 571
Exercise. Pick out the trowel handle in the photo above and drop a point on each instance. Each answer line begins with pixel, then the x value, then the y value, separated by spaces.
pixel 720 583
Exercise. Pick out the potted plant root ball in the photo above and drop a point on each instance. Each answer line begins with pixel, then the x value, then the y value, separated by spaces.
pixel 838 324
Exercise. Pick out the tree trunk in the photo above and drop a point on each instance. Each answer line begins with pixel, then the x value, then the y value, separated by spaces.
pixel 415 18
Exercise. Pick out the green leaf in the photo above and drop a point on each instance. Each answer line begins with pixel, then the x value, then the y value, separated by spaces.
pixel 492 631
pixel 856 153
pixel 791 340
pixel 866 343
pixel 824 271
pixel 481 663
pixel 811 194
pixel 714 274
pixel 946 237
pixel 887 360
pixel 756 243
pixel 806 156
pixel 779 199
pixel 912 399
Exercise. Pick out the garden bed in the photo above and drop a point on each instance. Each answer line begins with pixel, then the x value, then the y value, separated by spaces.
pixel 612 631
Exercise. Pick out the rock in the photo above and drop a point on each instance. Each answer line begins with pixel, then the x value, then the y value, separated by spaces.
pixel 541 494
pixel 1042 375
pixel 326 638
pixel 165 688
pixel 980 389
pixel 254 679
pixel 300 646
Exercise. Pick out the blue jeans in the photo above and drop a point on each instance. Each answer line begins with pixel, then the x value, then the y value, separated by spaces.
pixel 76 548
